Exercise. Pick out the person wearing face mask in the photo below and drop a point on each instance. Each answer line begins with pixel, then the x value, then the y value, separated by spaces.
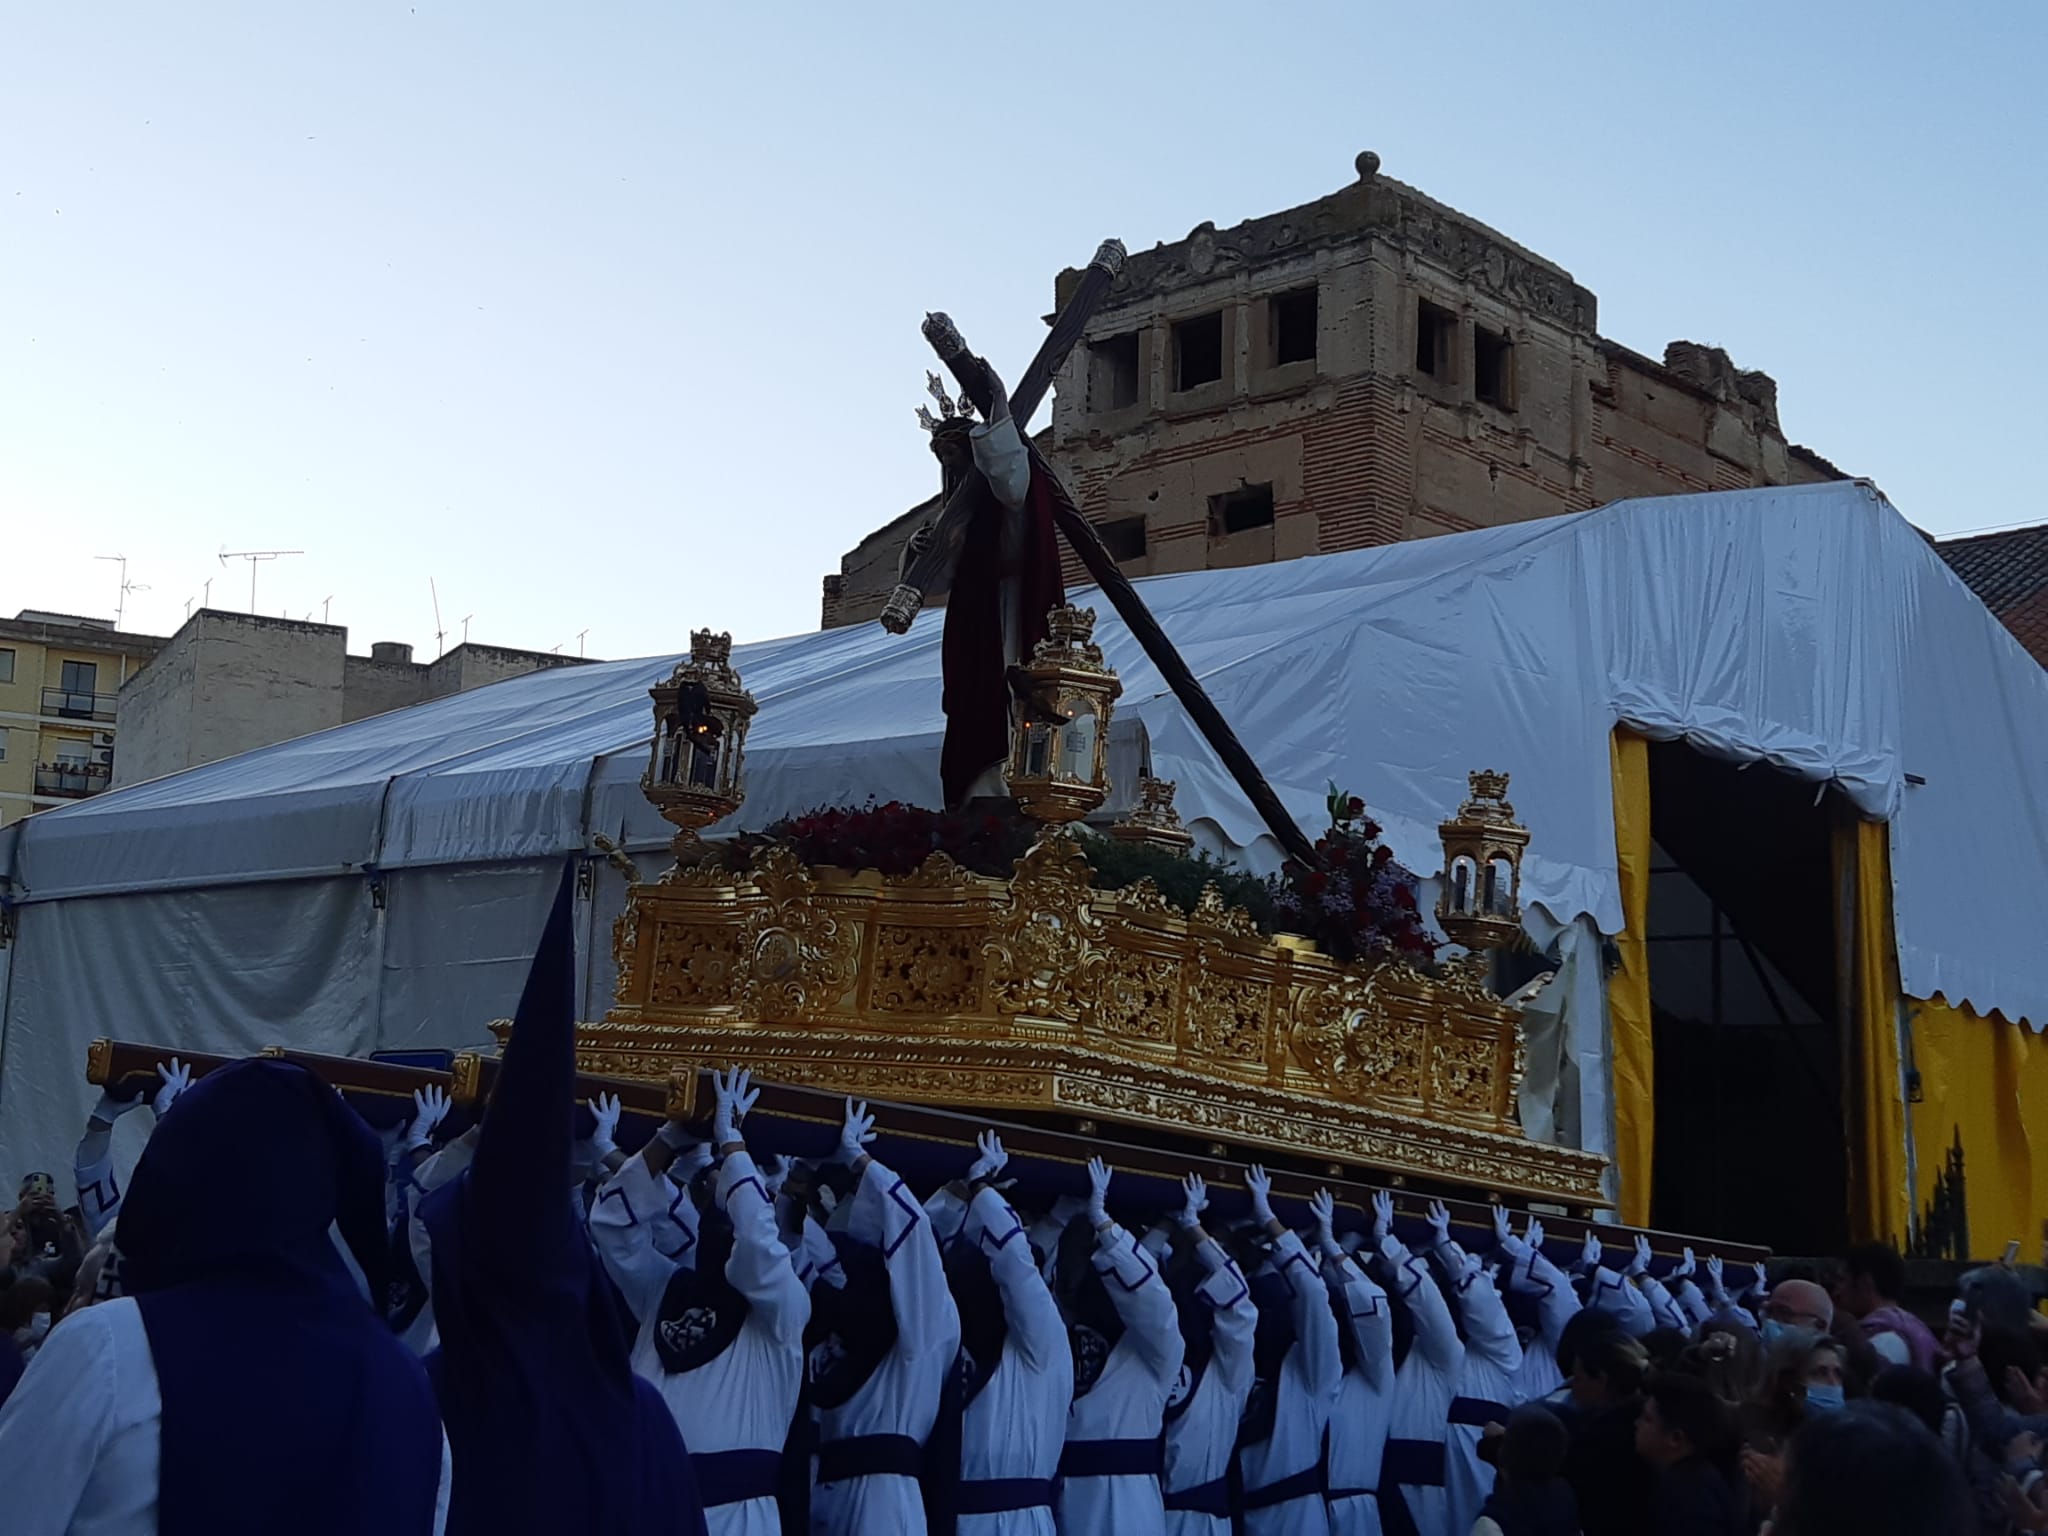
pixel 1365 1396
pixel 722 1339
pixel 1489 1375
pixel 1218 1323
pixel 1298 1367
pixel 1124 1331
pixel 1801 1380
pixel 996 1445
pixel 1412 1473
pixel 881 1347
pixel 1796 1304
pixel 1531 1274
pixel 245 1382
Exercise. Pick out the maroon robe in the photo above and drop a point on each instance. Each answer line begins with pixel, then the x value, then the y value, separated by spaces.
pixel 976 686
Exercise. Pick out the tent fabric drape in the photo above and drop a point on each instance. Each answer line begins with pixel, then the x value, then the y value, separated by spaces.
pixel 1983 1081
pixel 1879 1199
pixel 1628 989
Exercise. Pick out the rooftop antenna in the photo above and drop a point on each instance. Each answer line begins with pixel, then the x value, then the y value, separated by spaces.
pixel 255 557
pixel 127 586
pixel 440 634
pixel 324 603
pixel 465 627
pixel 579 640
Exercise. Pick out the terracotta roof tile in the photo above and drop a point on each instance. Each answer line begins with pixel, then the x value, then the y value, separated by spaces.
pixel 2009 572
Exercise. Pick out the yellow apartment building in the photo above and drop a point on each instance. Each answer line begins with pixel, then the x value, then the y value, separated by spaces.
pixel 60 679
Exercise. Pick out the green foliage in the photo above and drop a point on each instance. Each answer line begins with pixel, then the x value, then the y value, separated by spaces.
pixel 1179 876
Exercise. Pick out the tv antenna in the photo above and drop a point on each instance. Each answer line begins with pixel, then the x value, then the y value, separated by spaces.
pixel 579 640
pixel 440 634
pixel 255 557
pixel 127 586
pixel 465 627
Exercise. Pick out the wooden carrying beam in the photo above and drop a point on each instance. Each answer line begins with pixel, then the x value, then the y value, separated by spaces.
pixel 928 1145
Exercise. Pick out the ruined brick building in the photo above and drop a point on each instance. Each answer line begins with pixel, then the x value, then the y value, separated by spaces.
pixel 1372 366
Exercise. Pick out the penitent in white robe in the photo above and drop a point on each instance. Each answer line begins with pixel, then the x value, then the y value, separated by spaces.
pixel 1128 1401
pixel 1201 1438
pixel 743 1399
pixel 1424 1386
pixel 1489 1387
pixel 1283 1488
pixel 901 1397
pixel 1531 1274
pixel 1365 1400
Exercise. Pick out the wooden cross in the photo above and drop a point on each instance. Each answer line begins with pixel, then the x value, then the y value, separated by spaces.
pixel 973 497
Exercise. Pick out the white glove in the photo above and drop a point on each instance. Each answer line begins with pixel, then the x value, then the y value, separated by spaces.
pixel 176 1079
pixel 1640 1264
pixel 856 1133
pixel 1260 1183
pixel 735 1097
pixel 1717 1288
pixel 1439 1219
pixel 1382 1215
pixel 429 1109
pixel 993 1158
pixel 1098 1191
pixel 604 1109
pixel 1684 1269
pixel 1504 1236
pixel 1589 1256
pixel 1532 1235
pixel 1194 1200
pixel 774 1173
pixel 692 1160
pixel 109 1109
pixel 1323 1206
pixel 1763 1279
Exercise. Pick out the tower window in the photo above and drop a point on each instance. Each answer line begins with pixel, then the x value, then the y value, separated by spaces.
pixel 1113 372
pixel 1247 507
pixel 1198 351
pixel 1292 317
pixel 1435 326
pixel 1124 538
pixel 1493 368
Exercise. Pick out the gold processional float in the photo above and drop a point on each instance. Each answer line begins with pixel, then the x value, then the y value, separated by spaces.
pixel 1042 998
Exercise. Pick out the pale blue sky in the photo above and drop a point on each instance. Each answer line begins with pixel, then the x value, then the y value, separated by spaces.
pixel 522 297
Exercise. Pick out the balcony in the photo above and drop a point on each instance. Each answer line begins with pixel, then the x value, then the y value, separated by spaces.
pixel 66 705
pixel 72 781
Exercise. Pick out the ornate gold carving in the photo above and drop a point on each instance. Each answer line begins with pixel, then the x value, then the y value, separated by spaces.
pixel 1043 993
pixel 99 1062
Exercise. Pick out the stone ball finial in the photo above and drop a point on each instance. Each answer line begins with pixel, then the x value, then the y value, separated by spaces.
pixel 1368 163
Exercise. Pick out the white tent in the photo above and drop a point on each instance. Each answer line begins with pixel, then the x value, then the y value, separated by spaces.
pixel 378 885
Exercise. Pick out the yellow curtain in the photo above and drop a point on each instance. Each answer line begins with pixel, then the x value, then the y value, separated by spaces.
pixel 1983 1081
pixel 1879 1199
pixel 1630 1043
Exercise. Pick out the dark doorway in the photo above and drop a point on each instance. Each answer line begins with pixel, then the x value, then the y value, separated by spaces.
pixel 1750 1139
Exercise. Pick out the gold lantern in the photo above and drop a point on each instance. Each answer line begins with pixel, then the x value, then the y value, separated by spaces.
pixel 1059 753
pixel 1481 907
pixel 697 772
pixel 1154 820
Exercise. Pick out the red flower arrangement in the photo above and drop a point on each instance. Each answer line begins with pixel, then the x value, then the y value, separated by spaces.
pixel 895 838
pixel 1358 903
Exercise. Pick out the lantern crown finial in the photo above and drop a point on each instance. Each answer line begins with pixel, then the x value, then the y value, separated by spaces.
pixel 1489 792
pixel 711 647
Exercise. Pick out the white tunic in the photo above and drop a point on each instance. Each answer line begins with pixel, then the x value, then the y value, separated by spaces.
pixel 1612 1296
pixel 1531 1274
pixel 442 1168
pixel 1491 1375
pixel 1017 1423
pixel 80 1436
pixel 1424 1386
pixel 1310 1374
pixel 1128 1400
pixel 99 1196
pixel 902 1396
pixel 744 1399
pixel 1365 1400
pixel 1201 1438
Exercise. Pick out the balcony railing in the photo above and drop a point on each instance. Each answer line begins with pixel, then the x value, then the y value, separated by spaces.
pixel 66 705
pixel 72 781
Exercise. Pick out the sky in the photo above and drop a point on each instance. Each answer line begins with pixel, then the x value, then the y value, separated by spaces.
pixel 599 322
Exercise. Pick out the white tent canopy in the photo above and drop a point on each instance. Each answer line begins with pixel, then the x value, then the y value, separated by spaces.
pixel 396 868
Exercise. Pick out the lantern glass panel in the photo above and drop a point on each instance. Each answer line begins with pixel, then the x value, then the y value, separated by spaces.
pixel 1500 887
pixel 1037 749
pixel 1463 873
pixel 1077 744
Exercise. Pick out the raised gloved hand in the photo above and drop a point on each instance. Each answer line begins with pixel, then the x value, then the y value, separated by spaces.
pixel 1504 1236
pixel 1532 1235
pixel 1717 1288
pixel 1439 1218
pixel 1194 1191
pixel 1762 1287
pixel 605 1111
pixel 1098 1192
pixel 733 1096
pixel 1260 1183
pixel 1323 1206
pixel 429 1109
pixel 1684 1269
pixel 1640 1264
pixel 690 1160
pixel 1382 1215
pixel 993 1158
pixel 177 1077
pixel 1589 1255
pixel 109 1109
pixel 857 1131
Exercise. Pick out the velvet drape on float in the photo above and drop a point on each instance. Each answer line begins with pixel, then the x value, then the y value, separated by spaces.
pixel 1630 1041
pixel 1874 1086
